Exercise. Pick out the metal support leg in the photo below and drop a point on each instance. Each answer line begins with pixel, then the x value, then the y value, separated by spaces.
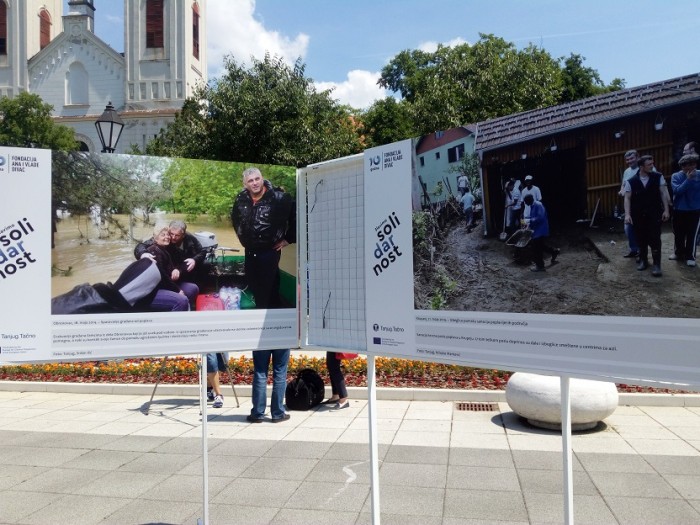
pixel 230 375
pixel 160 373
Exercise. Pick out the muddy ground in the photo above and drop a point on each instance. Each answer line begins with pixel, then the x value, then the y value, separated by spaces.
pixel 591 276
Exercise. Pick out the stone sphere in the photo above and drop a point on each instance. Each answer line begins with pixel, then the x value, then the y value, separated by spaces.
pixel 537 398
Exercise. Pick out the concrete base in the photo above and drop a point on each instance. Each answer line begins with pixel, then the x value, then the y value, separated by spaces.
pixel 538 399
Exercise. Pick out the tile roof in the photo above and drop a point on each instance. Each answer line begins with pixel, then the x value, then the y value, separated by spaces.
pixel 524 126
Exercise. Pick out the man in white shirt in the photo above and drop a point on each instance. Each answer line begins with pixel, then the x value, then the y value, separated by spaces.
pixel 467 202
pixel 632 160
pixel 529 189
pixel 646 206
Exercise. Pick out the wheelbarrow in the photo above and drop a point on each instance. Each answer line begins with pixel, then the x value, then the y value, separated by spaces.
pixel 520 241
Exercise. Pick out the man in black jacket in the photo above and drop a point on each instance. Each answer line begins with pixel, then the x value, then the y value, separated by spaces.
pixel 264 218
pixel 265 221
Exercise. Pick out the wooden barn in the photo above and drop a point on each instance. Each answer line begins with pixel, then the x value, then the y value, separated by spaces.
pixel 575 151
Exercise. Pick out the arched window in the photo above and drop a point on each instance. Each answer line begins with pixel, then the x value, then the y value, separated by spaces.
pixel 3 27
pixel 195 30
pixel 154 23
pixel 44 28
pixel 77 84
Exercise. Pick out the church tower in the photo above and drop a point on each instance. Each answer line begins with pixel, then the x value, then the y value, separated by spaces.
pixel 26 27
pixel 64 61
pixel 165 51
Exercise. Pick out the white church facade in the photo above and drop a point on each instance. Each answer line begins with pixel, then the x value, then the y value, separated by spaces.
pixel 62 59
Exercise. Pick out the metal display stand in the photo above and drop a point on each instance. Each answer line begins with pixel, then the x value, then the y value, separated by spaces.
pixel 147 406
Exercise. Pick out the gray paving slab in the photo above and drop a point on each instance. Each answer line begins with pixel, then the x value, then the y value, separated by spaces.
pixel 345 497
pixel 280 468
pixel 15 505
pixel 341 471
pixel 652 511
pixel 256 492
pixel 141 470
pixel 71 509
pixel 59 480
pixel 411 501
pixel 480 457
pixel 482 478
pixel 399 519
pixel 552 482
pixel 589 509
pixel 485 505
pixel 149 511
pixel 633 484
pixel 413 475
pixel 419 454
pixel 159 463
pixel 220 466
pixel 221 514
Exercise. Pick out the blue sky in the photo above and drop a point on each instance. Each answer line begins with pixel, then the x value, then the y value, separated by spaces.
pixel 345 43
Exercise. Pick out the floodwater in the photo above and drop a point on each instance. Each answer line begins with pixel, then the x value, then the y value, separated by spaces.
pixel 99 253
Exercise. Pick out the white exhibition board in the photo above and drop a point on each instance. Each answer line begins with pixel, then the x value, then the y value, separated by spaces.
pixel 331 224
pixel 632 350
pixel 30 333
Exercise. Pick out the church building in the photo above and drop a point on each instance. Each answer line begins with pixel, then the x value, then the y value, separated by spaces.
pixel 62 59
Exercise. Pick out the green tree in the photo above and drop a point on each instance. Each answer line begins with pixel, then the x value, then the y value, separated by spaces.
pixel 468 83
pixel 209 187
pixel 269 113
pixel 25 121
pixel 579 81
pixel 387 121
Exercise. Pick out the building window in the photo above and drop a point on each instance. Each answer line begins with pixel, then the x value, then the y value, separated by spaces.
pixel 142 90
pixel 44 28
pixel 195 30
pixel 131 92
pixel 439 135
pixel 456 153
pixel 154 23
pixel 3 27
pixel 77 84
pixel 422 161
pixel 154 90
pixel 437 155
pixel 166 90
pixel 178 88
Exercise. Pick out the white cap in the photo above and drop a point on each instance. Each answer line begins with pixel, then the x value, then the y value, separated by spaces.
pixel 528 177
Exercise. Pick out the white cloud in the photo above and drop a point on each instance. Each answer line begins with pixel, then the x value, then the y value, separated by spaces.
pixel 234 30
pixel 431 47
pixel 359 90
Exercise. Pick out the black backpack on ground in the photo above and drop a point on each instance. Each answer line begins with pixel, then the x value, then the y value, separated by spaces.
pixel 305 391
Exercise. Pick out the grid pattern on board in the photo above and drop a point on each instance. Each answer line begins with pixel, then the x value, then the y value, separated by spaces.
pixel 335 256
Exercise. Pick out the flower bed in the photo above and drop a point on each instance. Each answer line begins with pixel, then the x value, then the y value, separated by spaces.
pixel 391 372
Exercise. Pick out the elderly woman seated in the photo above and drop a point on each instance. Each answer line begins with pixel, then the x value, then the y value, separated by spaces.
pixel 172 294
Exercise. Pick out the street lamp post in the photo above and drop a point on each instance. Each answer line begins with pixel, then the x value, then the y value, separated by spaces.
pixel 109 128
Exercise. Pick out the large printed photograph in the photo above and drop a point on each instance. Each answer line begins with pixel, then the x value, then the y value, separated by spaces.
pixel 482 245
pixel 150 234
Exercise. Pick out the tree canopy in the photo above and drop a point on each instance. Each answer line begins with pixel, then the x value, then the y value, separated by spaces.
pixel 491 78
pixel 199 187
pixel 268 113
pixel 25 122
